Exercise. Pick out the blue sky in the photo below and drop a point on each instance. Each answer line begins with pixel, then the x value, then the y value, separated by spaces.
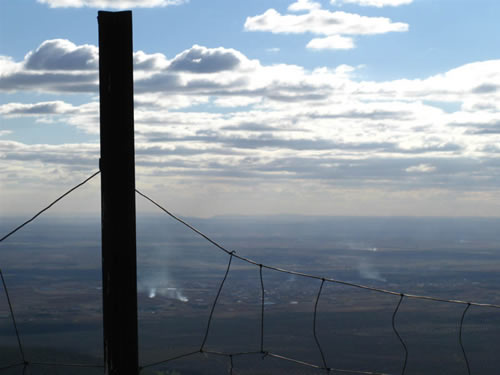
pixel 343 107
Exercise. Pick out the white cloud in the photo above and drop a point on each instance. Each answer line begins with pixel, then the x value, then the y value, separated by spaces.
pixel 8 65
pixel 61 54
pixel 331 42
pixel 241 101
pixel 300 5
pixel 276 125
pixel 57 65
pixel 421 168
pixel 36 109
pixel 78 154
pixel 322 22
pixel 112 4
pixel 333 25
pixel 199 59
pixel 149 62
pixel 376 3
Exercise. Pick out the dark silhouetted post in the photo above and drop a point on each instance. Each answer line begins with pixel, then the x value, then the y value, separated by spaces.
pixel 119 269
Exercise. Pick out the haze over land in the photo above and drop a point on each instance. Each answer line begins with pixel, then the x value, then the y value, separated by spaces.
pixel 53 270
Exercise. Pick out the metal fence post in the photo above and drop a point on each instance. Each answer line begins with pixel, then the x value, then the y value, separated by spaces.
pixel 117 164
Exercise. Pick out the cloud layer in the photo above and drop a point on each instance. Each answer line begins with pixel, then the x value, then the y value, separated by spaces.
pixel 335 28
pixel 215 120
pixel 111 4
pixel 374 3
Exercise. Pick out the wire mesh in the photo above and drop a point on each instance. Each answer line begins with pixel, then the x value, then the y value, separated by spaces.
pixel 26 365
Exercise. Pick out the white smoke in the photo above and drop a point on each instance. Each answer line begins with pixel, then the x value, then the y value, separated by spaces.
pixel 359 246
pixel 158 283
pixel 368 271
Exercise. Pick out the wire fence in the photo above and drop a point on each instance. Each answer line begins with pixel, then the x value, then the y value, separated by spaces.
pixel 25 364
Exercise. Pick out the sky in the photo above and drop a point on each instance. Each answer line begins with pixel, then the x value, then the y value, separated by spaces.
pixel 331 107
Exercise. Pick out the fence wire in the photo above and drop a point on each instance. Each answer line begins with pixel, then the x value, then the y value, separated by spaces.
pixel 26 364
pixel 232 254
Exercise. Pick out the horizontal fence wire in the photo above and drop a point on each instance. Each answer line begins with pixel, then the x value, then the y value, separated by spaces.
pixel 324 366
pixel 24 361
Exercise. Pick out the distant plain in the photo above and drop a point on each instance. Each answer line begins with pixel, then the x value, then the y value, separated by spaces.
pixel 52 269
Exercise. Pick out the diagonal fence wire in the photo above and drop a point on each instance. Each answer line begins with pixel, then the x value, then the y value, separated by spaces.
pixel 13 317
pixel 311 276
pixel 24 362
pixel 185 355
pixel 49 206
pixel 323 280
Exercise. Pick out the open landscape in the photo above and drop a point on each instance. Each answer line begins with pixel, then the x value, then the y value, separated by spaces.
pixel 52 269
